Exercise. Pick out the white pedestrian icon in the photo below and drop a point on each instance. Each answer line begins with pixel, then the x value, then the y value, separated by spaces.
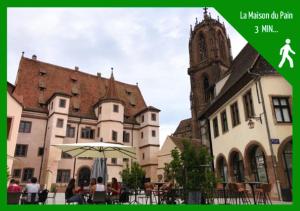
pixel 284 52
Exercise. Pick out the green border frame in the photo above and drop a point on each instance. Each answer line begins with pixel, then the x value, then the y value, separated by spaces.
pixel 266 43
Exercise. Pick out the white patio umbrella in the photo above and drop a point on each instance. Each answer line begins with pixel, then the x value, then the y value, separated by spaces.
pixel 99 169
pixel 97 150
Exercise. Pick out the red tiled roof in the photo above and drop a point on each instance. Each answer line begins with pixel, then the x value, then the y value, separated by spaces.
pixel 37 81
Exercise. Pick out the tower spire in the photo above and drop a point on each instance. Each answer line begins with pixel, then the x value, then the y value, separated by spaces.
pixel 205 13
pixel 111 92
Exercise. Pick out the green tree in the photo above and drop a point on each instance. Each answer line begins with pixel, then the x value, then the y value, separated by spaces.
pixel 191 168
pixel 174 170
pixel 133 177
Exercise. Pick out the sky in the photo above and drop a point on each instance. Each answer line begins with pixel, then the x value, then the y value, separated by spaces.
pixel 148 46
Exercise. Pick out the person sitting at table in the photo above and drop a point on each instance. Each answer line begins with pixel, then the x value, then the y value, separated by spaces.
pixel 100 186
pixel 165 190
pixel 31 190
pixel 166 186
pixel 71 195
pixel 14 187
pixel 149 187
pixel 114 189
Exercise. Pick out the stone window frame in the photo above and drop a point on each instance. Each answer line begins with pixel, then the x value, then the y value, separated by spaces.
pixel 14 175
pixel 216 127
pixel 114 135
pixel 59 123
pixel 25 126
pixel 24 172
pixel 153 133
pixel 41 151
pixel 248 113
pixel 223 120
pixel 235 114
pixel 87 133
pixel 288 97
pixel 68 133
pixel 62 103
pixel 116 108
pixel 64 178
pixel 21 154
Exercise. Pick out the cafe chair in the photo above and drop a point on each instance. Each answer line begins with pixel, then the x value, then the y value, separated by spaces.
pixel 242 193
pixel 99 197
pixel 219 193
pixel 52 196
pixel 263 194
pixel 13 198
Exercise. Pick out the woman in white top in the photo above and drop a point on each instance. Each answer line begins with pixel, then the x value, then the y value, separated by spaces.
pixel 31 188
pixel 100 186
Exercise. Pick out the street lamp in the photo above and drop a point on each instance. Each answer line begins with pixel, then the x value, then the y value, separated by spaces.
pixel 251 122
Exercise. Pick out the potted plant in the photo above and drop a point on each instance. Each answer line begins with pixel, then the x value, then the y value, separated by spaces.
pixel 192 170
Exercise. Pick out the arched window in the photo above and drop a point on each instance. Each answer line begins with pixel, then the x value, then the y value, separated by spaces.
pixel 205 83
pixel 287 158
pixel 238 167
pixel 202 47
pixel 221 45
pixel 222 168
pixel 206 88
pixel 258 164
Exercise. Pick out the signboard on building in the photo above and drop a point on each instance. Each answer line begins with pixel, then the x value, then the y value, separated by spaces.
pixel 275 141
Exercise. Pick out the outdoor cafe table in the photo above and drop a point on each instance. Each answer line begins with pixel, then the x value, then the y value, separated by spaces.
pixel 224 191
pixel 252 184
pixel 159 184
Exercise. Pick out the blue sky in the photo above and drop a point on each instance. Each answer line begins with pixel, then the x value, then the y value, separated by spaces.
pixel 148 46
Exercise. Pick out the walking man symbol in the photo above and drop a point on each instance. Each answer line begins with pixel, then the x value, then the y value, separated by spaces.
pixel 284 52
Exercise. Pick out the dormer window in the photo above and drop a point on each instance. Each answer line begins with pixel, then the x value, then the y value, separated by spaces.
pixel 132 100
pixel 43 72
pixel 76 106
pixel 128 92
pixel 75 90
pixel 62 103
pixel 42 85
pixel 73 78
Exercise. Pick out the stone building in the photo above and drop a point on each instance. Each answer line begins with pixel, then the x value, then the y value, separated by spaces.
pixel 14 111
pixel 63 105
pixel 240 109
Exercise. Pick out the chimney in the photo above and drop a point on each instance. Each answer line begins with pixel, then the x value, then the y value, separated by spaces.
pixel 34 57
pixel 76 68
pixel 99 75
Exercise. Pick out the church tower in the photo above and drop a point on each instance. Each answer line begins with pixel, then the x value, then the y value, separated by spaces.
pixel 210 59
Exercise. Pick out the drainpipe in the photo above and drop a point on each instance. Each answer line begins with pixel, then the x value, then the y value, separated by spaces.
pixel 44 144
pixel 76 143
pixel 131 142
pixel 210 145
pixel 274 163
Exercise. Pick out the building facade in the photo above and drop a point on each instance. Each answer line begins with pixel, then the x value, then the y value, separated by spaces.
pixel 62 105
pixel 251 126
pixel 14 111
pixel 240 110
